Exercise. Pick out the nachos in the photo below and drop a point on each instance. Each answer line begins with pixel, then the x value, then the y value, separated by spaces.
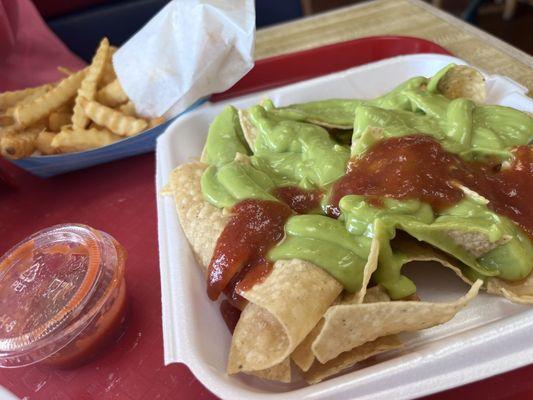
pixel 303 216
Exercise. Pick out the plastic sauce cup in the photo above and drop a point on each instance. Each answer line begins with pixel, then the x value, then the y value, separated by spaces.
pixel 62 297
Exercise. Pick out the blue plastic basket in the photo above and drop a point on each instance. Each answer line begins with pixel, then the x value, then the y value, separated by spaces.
pixel 47 166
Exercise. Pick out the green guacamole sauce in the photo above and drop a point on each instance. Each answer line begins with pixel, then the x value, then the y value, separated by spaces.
pixel 292 146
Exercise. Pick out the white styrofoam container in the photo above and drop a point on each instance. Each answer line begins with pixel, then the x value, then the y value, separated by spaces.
pixel 488 337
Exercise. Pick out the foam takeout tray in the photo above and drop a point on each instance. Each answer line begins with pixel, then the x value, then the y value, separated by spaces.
pixel 488 337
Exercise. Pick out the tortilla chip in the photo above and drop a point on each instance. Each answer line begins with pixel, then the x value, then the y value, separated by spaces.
pixel 476 243
pixel 420 251
pixel 303 356
pixel 328 125
pixel 517 292
pixel 279 373
pixel 256 329
pixel 319 372
pixel 370 267
pixel 463 81
pixel 249 130
pixel 375 294
pixel 166 190
pixel 349 326
pixel 201 222
pixel 283 309
pixel 329 114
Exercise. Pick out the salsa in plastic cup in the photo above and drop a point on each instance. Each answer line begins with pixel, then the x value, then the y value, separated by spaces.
pixel 62 297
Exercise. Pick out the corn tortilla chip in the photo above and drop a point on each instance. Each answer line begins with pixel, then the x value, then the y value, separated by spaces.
pixel 318 372
pixel 166 190
pixel 303 356
pixel 375 294
pixel 349 326
pixel 328 125
pixel 463 81
pixel 256 329
pixel 370 267
pixel 476 243
pixel 249 130
pixel 420 251
pixel 517 292
pixel 201 222
pixel 286 307
pixel 279 373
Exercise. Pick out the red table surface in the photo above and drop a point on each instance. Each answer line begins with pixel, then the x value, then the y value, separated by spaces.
pixel 119 198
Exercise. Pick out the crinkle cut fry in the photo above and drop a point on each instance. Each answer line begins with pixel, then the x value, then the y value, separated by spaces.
pixel 89 84
pixel 26 114
pixel 113 120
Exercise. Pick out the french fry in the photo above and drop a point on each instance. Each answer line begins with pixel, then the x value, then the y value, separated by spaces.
pixel 9 130
pixel 84 110
pixel 128 109
pixel 6 120
pixel 30 112
pixel 10 99
pixel 155 121
pixel 58 119
pixel 113 120
pixel 11 110
pixel 112 94
pixel 17 145
pixel 65 71
pixel 109 72
pixel 43 143
pixel 66 108
pixel 70 140
pixel 89 84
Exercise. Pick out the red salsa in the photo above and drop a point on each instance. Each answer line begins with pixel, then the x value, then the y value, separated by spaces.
pixel 300 200
pixel 513 189
pixel 254 227
pixel 230 314
pixel 417 167
pixel 239 260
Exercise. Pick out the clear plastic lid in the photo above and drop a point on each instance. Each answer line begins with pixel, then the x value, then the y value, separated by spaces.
pixel 45 283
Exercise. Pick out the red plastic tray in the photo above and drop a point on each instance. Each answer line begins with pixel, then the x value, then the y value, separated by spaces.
pixel 288 68
pixel 119 198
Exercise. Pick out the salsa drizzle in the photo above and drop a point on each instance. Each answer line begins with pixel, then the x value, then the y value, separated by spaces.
pixel 300 200
pixel 417 167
